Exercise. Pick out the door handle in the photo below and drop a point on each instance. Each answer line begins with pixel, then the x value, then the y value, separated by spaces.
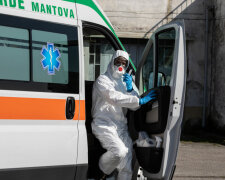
pixel 175 102
pixel 70 107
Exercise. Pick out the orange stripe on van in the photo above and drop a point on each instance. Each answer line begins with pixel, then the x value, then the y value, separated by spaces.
pixel 37 109
pixel 82 110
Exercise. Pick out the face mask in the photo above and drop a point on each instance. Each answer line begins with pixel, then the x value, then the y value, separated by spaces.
pixel 119 71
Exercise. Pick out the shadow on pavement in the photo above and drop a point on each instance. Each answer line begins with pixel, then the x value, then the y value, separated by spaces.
pixel 203 136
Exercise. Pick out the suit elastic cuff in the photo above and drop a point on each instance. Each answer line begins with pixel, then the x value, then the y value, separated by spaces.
pixel 130 90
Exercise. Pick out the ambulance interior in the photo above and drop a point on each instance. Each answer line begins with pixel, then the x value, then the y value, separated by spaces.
pixel 150 118
pixel 98 51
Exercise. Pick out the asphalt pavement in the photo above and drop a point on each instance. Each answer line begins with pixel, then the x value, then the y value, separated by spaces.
pixel 200 161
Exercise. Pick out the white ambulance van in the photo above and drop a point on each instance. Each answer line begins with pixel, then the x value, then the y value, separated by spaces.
pixel 51 51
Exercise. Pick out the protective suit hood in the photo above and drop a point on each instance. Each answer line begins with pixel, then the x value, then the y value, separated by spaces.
pixel 112 69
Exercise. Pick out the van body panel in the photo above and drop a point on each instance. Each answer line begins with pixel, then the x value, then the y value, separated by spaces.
pixel 82 147
pixel 57 11
pixel 82 152
pixel 96 15
pixel 37 143
pixel 34 130
pixel 36 173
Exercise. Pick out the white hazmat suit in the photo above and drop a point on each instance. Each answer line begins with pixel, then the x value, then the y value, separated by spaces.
pixel 109 108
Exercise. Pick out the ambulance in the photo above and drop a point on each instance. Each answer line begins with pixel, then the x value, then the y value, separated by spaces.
pixel 51 52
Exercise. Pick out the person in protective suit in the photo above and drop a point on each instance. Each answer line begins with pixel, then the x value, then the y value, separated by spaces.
pixel 113 93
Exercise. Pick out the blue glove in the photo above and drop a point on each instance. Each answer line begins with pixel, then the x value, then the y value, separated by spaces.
pixel 128 80
pixel 150 96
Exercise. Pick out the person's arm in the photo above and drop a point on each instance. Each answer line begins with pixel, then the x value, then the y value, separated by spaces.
pixel 134 92
pixel 117 98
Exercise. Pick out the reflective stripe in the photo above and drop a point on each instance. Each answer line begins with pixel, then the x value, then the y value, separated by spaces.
pixel 82 110
pixel 37 109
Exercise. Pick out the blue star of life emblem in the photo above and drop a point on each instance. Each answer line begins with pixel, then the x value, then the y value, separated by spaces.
pixel 51 58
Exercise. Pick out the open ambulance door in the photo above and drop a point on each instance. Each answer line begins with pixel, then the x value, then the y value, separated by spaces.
pixel 163 68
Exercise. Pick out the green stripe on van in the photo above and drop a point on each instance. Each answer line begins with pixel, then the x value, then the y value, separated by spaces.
pixel 92 5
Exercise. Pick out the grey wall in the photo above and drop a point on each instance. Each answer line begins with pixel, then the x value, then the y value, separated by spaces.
pixel 132 19
pixel 218 66
pixel 194 19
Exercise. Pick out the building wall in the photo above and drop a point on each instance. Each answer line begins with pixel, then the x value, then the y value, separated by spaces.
pixel 132 19
pixel 218 66
pixel 194 19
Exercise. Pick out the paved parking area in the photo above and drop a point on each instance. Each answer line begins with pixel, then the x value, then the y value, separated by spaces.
pixel 200 161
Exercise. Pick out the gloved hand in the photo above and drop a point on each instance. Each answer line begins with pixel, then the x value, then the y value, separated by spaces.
pixel 150 96
pixel 128 80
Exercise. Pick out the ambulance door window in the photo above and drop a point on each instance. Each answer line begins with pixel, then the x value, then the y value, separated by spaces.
pixel 165 43
pixel 40 39
pixel 55 59
pixel 14 54
pixel 98 51
pixel 147 71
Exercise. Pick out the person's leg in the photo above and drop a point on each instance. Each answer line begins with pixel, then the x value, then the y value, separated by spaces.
pixel 116 149
pixel 109 160
pixel 124 175
pixel 126 172
pixel 125 168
